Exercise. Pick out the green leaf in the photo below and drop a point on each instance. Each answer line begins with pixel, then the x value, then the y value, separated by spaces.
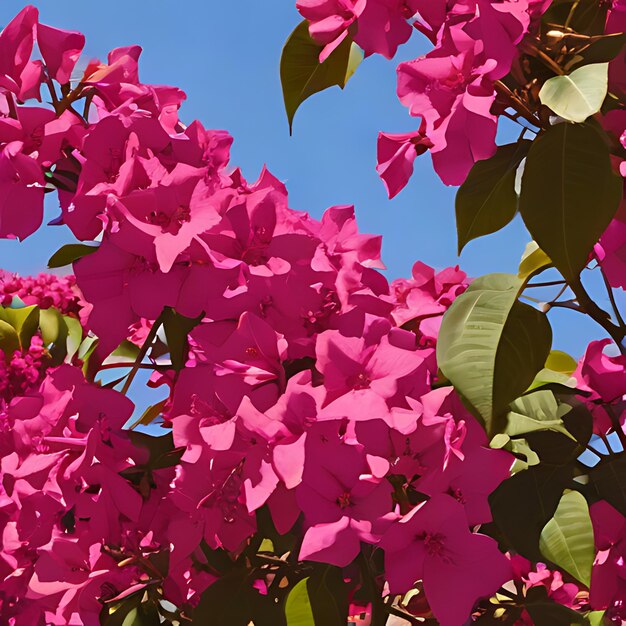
pixel 587 17
pixel 25 320
pixel 534 412
pixel 150 414
pixel 608 480
pixel 578 95
pixel 491 346
pixel 596 618
pixel 301 73
pixel 487 201
pixel 298 609
pixel 69 253
pixel 534 260
pixel 9 340
pixel 54 333
pixel 126 352
pixel 176 328
pixel 523 504
pixel 560 361
pixel 544 611
pixel 569 194
pixel 600 50
pixel 74 335
pixel 567 539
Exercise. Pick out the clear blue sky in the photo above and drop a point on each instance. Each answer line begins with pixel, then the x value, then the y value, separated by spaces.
pixel 225 55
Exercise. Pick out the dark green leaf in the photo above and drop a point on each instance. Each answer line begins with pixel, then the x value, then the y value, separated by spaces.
pixel 328 596
pixel 487 201
pixel 523 504
pixel 608 480
pixel 569 194
pixel 69 253
pixel 177 327
pixel 587 17
pixel 301 73
pixel 491 346
pixel 546 612
pixel 600 50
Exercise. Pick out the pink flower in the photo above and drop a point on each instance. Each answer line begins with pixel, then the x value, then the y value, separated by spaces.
pixel 396 155
pixel 383 26
pixel 343 497
pixel 602 374
pixel 21 192
pixel 330 20
pixel 16 45
pixel 449 88
pixel 60 50
pixel 611 252
pixel 608 579
pixel 433 543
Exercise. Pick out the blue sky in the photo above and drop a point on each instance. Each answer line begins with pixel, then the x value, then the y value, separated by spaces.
pixel 225 55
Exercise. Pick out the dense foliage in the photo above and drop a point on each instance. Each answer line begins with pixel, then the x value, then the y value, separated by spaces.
pixel 331 448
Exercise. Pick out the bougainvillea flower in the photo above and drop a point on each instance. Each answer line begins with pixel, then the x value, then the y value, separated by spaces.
pixel 329 20
pixel 433 543
pixel 454 97
pixel 342 500
pixel 383 26
pixel 16 45
pixel 21 193
pixel 60 50
pixel 608 580
pixel 611 252
pixel 602 374
pixel 396 155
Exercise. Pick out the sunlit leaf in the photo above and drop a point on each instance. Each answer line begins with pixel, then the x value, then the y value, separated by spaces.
pixel 567 539
pixel 578 95
pixel 491 345
pixel 534 260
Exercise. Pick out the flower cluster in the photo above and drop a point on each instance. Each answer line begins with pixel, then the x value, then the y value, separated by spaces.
pixel 44 291
pixel 302 386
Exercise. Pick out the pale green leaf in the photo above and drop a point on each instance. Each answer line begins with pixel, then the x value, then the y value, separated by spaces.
pixel 579 95
pixel 567 539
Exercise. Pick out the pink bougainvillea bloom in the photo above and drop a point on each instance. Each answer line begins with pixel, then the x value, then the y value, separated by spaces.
pixel 330 20
pixel 16 45
pixel 454 96
pixel 396 155
pixel 611 252
pixel 383 26
pixel 343 497
pixel 608 578
pixel 368 362
pixel 21 193
pixel 433 543
pixel 602 374
pixel 60 50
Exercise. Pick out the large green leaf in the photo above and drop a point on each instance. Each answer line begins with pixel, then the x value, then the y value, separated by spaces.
pixel 569 194
pixel 578 95
pixel 25 320
pixel 567 539
pixel 599 50
pixel 487 201
pixel 302 74
pixel 177 327
pixel 491 346
pixel 523 504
